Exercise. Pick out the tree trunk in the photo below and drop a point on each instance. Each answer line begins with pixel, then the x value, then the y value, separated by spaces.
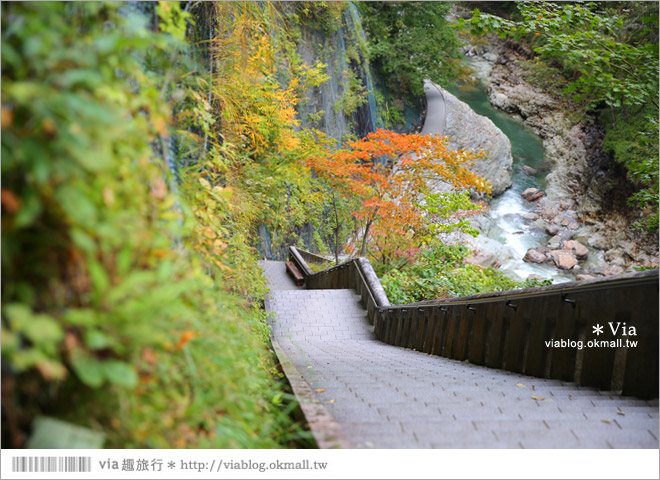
pixel 363 250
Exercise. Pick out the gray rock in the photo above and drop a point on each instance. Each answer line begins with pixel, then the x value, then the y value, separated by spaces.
pixel 534 256
pixel 554 242
pixel 527 170
pixel 533 276
pixel 538 223
pixel 566 234
pixel 483 258
pixel 553 229
pixel 466 129
pixel 543 249
pixel 491 57
pixel 598 241
pixel 577 249
pixel 563 259
pixel 530 216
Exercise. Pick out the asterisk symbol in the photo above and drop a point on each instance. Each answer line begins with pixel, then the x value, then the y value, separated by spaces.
pixel 171 464
pixel 598 329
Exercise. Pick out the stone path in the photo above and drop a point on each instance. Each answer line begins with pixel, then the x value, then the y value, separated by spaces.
pixel 374 395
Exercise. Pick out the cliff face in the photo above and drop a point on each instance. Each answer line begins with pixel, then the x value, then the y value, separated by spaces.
pixel 346 103
pixel 466 129
pixel 584 186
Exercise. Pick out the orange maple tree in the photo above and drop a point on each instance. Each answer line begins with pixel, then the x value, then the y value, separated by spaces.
pixel 391 174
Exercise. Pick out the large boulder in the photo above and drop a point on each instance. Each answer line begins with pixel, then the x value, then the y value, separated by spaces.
pixel 534 256
pixel 563 259
pixel 466 129
pixel 577 249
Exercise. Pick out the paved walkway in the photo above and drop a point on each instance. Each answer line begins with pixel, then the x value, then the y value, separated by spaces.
pixel 375 395
pixel 436 115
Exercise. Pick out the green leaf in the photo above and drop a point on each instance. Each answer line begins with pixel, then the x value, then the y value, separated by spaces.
pixel 43 329
pixel 99 276
pixel 88 369
pixel 82 240
pixel 96 340
pixel 83 317
pixel 120 373
pixel 31 208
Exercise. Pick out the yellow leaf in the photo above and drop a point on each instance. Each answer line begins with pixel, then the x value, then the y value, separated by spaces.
pixel 605 420
pixel 521 385
pixel 537 397
pixel 319 390
pixel 619 412
pixel 331 401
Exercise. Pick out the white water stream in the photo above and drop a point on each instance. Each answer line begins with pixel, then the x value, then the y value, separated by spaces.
pixel 504 230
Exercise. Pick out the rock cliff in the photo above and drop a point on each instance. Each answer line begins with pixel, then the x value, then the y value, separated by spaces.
pixel 466 129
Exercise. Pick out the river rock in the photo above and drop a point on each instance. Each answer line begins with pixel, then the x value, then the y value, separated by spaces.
pixel 580 277
pixel 533 276
pixel 527 170
pixel 535 197
pixel 529 193
pixel 543 249
pixel 532 194
pixel 534 256
pixel 490 57
pixel 563 259
pixel 554 242
pixel 613 270
pixel 483 258
pixel 577 249
pixel 531 216
pixel 552 229
pixel 466 129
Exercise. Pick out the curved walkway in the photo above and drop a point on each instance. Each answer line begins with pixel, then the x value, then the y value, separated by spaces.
pixel 436 115
pixel 358 392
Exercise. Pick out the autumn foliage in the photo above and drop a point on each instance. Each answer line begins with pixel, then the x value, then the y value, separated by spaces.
pixel 391 175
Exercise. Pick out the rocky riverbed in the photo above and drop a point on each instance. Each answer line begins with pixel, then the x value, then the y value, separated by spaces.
pixel 582 209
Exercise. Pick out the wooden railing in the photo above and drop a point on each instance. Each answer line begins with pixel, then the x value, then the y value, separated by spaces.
pixel 511 330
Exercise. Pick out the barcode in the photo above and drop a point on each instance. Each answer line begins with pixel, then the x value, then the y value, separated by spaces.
pixel 51 464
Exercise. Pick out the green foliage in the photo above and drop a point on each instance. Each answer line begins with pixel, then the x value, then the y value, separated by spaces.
pixel 608 54
pixel 326 16
pixel 410 42
pixel 355 95
pixel 547 76
pixel 438 271
pixel 390 113
pixel 114 289
pixel 587 40
pixel 634 142
pixel 444 212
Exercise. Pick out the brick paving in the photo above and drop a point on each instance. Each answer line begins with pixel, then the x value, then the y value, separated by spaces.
pixel 383 396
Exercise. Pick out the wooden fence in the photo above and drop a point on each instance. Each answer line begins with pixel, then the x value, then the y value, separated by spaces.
pixel 601 333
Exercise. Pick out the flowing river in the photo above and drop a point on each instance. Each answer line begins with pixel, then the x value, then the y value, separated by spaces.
pixel 504 230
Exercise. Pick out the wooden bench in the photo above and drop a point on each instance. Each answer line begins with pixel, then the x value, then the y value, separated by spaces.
pixel 292 270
